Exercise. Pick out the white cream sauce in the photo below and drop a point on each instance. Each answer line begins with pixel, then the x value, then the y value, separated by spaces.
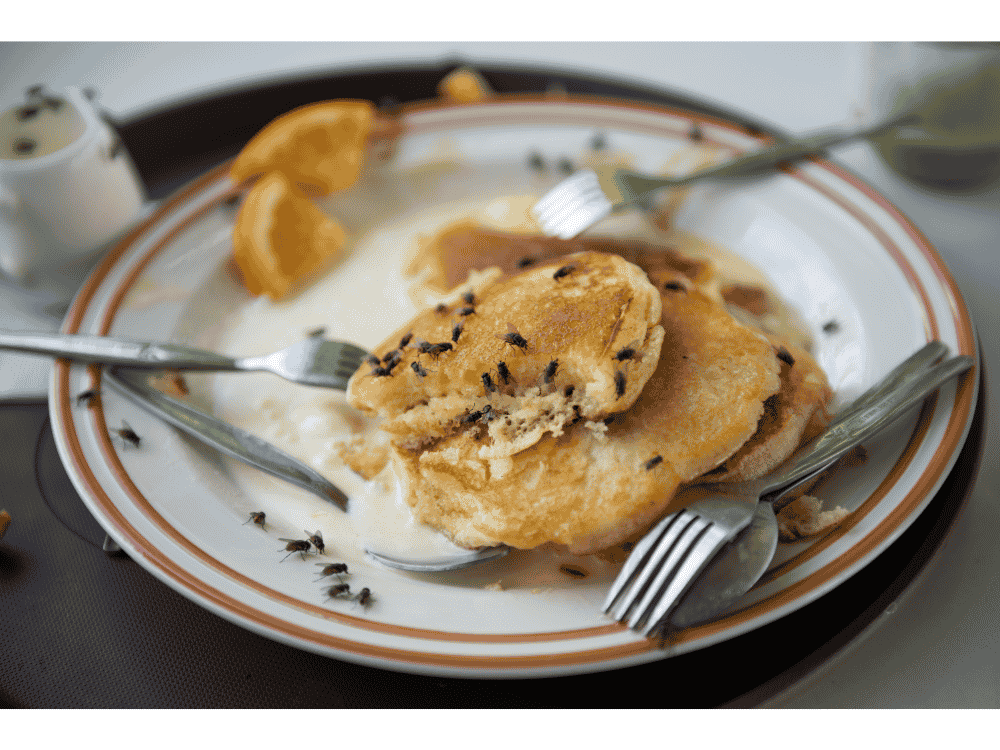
pixel 364 301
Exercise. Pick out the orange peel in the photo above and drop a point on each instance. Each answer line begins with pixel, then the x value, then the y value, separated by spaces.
pixel 280 236
pixel 320 146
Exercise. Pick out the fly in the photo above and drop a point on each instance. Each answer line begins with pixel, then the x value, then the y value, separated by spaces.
pixel 337 590
pixel 295 545
pixel 317 541
pixel 550 371
pixel 563 272
pixel 456 331
pixel 258 517
pixel 504 373
pixel 514 338
pixel 332 569
pixel 86 398
pixel 627 352
pixel 128 435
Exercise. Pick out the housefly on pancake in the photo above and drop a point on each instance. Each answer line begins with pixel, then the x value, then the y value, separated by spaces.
pixel 484 415
pixel 258 517
pixel 619 384
pixel 433 350
pixel 128 435
pixel 629 352
pixel 380 370
pixel 514 338
pixel 503 374
pixel 563 272
pixel 317 540
pixel 295 545
pixel 419 369
pixel 550 371
pixel 469 298
pixel 456 331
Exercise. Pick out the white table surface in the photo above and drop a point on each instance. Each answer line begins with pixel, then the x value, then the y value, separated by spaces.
pixel 938 645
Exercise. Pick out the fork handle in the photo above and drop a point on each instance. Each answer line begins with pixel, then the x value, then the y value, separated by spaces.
pixel 858 426
pixel 106 350
pixel 757 161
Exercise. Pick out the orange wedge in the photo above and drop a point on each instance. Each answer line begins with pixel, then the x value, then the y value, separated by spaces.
pixel 319 145
pixel 280 236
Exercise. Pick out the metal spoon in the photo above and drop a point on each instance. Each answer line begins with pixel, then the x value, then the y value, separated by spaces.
pixel 259 453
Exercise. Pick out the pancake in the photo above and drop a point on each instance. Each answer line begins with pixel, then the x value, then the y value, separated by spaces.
pixel 796 413
pixel 598 483
pixel 450 256
pixel 541 348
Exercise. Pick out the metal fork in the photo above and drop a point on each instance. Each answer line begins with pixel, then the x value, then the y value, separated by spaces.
pixel 315 361
pixel 586 197
pixel 668 559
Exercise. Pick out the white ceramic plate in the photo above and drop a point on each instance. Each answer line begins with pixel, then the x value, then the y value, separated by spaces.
pixel 834 248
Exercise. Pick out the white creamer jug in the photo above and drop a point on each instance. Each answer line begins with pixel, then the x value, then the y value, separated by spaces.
pixel 67 190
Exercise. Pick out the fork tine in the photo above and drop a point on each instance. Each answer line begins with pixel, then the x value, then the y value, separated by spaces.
pixel 665 568
pixel 698 557
pixel 573 205
pixel 637 560
pixel 665 547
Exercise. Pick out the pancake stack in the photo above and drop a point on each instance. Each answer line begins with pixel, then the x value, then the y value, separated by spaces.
pixel 567 399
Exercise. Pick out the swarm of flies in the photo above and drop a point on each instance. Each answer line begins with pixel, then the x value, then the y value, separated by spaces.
pixel 315 541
